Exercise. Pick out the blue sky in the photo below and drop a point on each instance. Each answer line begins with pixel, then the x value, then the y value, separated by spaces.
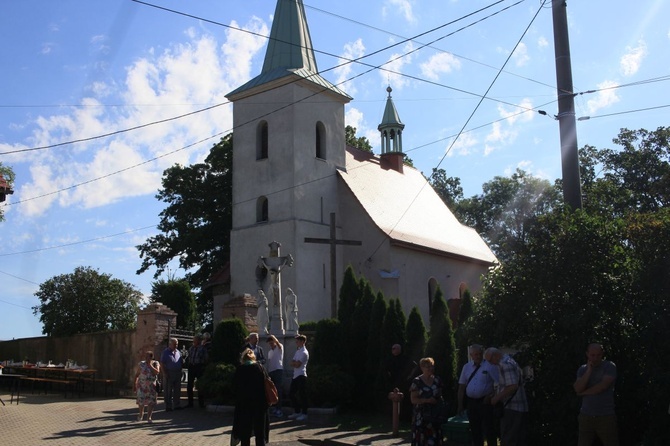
pixel 76 69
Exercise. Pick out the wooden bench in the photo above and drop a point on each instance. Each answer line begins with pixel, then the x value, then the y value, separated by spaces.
pixel 49 381
pixel 107 382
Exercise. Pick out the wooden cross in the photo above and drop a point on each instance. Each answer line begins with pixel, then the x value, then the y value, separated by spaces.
pixel 333 241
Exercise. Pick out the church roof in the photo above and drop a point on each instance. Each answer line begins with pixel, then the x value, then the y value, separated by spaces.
pixel 408 209
pixel 289 51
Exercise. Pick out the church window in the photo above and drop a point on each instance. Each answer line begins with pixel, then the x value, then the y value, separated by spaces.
pixel 320 141
pixel 262 210
pixel 262 140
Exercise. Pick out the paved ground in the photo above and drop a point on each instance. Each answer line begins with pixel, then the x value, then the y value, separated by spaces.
pixel 54 420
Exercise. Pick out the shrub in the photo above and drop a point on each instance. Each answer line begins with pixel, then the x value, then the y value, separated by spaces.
pixel 217 383
pixel 329 386
pixel 228 340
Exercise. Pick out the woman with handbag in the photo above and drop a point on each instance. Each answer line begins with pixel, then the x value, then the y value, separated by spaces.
pixel 426 396
pixel 145 385
pixel 251 407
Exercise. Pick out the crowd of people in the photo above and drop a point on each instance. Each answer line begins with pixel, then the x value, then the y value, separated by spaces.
pixel 491 392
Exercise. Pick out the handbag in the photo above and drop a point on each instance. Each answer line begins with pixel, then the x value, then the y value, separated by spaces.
pixel 271 394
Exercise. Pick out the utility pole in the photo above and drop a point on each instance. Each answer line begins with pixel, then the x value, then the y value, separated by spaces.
pixel 572 189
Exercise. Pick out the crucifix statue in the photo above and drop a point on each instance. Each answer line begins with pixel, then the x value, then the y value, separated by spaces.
pixel 333 241
pixel 274 263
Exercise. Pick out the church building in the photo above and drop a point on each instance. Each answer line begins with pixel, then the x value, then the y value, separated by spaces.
pixel 296 182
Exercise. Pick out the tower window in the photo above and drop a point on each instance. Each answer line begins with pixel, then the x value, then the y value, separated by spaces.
pixel 320 140
pixel 262 140
pixel 261 210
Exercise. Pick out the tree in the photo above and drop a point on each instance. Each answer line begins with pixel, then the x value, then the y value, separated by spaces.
pixel 177 295
pixel 416 335
pixel 7 178
pixel 228 340
pixel 361 143
pixel 507 207
pixel 86 301
pixel 393 328
pixel 441 342
pixel 350 294
pixel 375 350
pixel 195 227
pixel 448 188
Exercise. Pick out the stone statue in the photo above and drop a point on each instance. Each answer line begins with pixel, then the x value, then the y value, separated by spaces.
pixel 262 318
pixel 291 311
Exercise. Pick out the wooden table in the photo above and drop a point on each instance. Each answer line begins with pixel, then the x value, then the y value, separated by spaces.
pixel 57 375
pixel 14 384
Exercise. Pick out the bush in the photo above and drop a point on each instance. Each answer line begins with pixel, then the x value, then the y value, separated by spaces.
pixel 306 327
pixel 217 383
pixel 228 340
pixel 329 386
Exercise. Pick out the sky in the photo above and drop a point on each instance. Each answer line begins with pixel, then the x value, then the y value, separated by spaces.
pixel 97 99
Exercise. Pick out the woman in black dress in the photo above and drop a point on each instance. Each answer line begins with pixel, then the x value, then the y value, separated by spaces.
pixel 426 393
pixel 251 408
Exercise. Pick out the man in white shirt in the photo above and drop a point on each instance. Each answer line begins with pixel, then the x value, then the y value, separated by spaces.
pixel 299 383
pixel 275 365
pixel 475 390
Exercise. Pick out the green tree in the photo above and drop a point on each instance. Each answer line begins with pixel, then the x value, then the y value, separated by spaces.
pixel 326 347
pixel 506 209
pixel 86 301
pixel 375 350
pixel 361 143
pixel 393 329
pixel 228 340
pixel 441 343
pixel 195 226
pixel 177 294
pixel 416 335
pixel 7 178
pixel 448 188
pixel 350 293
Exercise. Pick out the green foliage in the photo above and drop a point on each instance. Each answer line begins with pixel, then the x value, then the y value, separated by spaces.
pixel 217 383
pixel 308 327
pixel 393 329
pixel 375 349
pixel 448 188
pixel 7 178
pixel 416 335
pixel 349 295
pixel 228 340
pixel 177 295
pixel 442 344
pixel 86 301
pixel 329 386
pixel 327 346
pixel 195 226
pixel 361 143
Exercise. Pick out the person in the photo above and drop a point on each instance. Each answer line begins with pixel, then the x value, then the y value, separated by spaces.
pixel 250 403
pixel 291 311
pixel 145 385
pixel 400 371
pixel 197 358
pixel 252 343
pixel 298 391
pixel 262 316
pixel 595 384
pixel 275 365
pixel 425 392
pixel 512 395
pixel 475 390
pixel 171 363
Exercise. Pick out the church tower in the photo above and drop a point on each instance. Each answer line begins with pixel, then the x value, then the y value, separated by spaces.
pixel 391 132
pixel 288 143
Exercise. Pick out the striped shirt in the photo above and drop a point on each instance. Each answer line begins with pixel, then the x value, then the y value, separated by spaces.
pixel 511 374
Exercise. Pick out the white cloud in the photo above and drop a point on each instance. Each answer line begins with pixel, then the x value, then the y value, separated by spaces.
pixel 504 132
pixel 520 55
pixel 463 145
pixel 605 97
pixel 542 42
pixel 631 61
pixel 524 112
pixel 352 50
pixel 354 118
pixel 396 63
pixel 156 87
pixel 440 63
pixel 403 6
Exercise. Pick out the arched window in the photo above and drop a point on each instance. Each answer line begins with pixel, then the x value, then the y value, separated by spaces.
pixel 320 140
pixel 261 210
pixel 432 289
pixel 262 140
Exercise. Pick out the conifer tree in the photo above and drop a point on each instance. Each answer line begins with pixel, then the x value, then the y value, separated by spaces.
pixel 416 335
pixel 327 346
pixel 349 295
pixel 464 314
pixel 393 329
pixel 375 349
pixel 442 344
